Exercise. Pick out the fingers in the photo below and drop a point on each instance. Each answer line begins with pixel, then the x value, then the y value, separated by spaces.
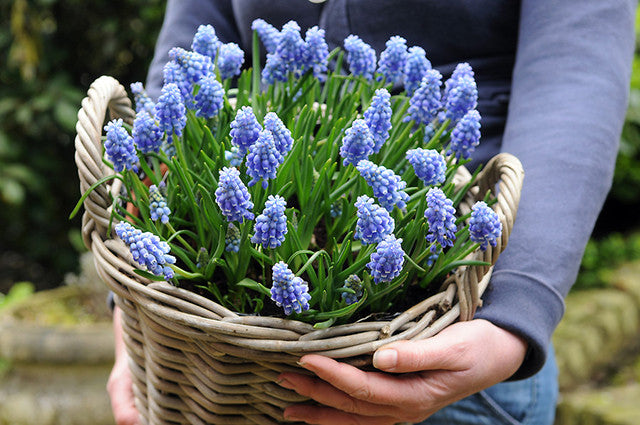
pixel 374 387
pixel 328 395
pixel 120 392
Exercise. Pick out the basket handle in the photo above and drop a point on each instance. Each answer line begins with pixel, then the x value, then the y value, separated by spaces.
pixel 106 93
pixel 503 175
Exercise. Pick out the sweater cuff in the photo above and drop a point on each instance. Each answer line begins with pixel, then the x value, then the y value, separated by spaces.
pixel 527 307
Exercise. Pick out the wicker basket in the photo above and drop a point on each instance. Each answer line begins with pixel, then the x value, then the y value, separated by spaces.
pixel 194 361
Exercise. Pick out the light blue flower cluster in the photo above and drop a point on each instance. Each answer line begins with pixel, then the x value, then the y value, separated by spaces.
pixel 428 164
pixel 170 110
pixel 232 196
pixel 263 159
pixel 415 69
pixel 357 143
pixel 147 249
pixel 268 34
pixel 461 93
pixel 205 41
pixel 361 57
pixel 289 53
pixel 172 73
pixel 465 136
pixel 119 146
pixel 146 133
pixel 289 291
pixel 158 208
pixel 210 97
pixel 230 60
pixel 291 47
pixel 393 59
pixel 353 283
pixel 426 100
pixel 271 225
pixel 440 216
pixel 378 118
pixel 386 263
pixel 374 222
pixel 484 225
pixel 232 238
pixel 141 99
pixel 316 52
pixel 281 134
pixel 245 129
pixel 193 64
pixel 388 188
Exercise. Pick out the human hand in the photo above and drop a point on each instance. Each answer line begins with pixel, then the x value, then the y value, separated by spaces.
pixel 463 359
pixel 119 386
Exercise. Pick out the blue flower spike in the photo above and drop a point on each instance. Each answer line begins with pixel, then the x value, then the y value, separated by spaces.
pixel 210 97
pixel 141 99
pixel 426 100
pixel 357 143
pixel 158 208
pixel 170 110
pixel 120 147
pixel 232 238
pixel 232 196
pixel 388 188
pixel 484 226
pixel 230 60
pixel 281 134
pixel 353 283
pixel 428 164
pixel 415 68
pixel 193 64
pixel 291 47
pixel 316 52
pixel 289 291
pixel 275 69
pixel 378 117
pixel 146 134
pixel 234 156
pixel 263 159
pixel 173 73
pixel 271 225
pixel 465 136
pixel 205 41
pixel 393 59
pixel 268 34
pixel 374 222
pixel 147 250
pixel 461 93
pixel 361 57
pixel 440 215
pixel 245 129
pixel 386 263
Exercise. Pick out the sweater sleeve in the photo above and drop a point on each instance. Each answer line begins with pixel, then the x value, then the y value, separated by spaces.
pixel 568 102
pixel 181 20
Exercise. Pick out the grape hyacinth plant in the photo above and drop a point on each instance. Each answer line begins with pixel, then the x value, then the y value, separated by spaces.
pixel 318 185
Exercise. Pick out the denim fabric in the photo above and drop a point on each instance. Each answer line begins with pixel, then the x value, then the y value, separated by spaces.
pixel 531 401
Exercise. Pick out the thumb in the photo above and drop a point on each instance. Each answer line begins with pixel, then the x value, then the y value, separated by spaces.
pixel 440 352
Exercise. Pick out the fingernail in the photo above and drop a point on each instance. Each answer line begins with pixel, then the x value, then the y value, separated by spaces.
pixel 305 365
pixel 385 359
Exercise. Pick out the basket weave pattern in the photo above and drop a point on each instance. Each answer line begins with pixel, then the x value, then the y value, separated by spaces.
pixel 194 361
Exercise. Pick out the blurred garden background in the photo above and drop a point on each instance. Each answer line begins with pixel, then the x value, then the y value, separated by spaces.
pixel 51 51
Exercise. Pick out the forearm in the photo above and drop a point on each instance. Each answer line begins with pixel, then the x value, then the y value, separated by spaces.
pixel 567 107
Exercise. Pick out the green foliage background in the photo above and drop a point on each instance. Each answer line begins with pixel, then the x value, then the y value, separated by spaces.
pixel 51 51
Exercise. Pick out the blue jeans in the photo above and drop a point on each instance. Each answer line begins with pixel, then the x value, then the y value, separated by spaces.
pixel 530 401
